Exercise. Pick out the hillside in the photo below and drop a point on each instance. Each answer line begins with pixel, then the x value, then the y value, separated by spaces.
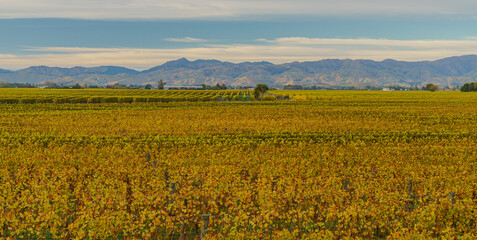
pixel 445 72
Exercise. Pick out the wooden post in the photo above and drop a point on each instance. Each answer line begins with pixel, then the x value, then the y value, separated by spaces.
pixel 182 223
pixel 205 220
pixel 172 190
pixel 154 164
pixel 409 203
pixel 451 197
pixel 345 183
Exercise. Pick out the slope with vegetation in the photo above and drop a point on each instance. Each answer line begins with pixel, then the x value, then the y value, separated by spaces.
pixel 454 71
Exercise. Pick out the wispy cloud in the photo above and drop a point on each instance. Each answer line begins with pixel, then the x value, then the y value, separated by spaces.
pixel 122 9
pixel 470 43
pixel 278 50
pixel 185 40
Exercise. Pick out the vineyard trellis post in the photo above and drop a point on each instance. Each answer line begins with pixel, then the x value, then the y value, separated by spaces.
pixel 409 204
pixel 172 191
pixel 205 225
pixel 451 197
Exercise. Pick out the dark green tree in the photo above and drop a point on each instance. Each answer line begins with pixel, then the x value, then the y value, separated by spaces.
pixel 76 86
pixel 161 84
pixel 148 86
pixel 431 87
pixel 469 87
pixel 260 90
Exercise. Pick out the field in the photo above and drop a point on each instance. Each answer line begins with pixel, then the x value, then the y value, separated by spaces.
pixel 327 165
pixel 59 96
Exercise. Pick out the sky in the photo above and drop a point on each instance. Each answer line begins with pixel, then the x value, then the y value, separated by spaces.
pixel 141 34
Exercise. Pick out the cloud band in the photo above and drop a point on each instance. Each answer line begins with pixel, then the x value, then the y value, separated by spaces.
pixel 278 50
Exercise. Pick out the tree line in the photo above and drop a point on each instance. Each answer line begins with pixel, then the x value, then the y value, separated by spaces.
pixel 469 87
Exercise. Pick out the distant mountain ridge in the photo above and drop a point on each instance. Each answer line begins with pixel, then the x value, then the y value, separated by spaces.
pixel 452 71
pixel 4 71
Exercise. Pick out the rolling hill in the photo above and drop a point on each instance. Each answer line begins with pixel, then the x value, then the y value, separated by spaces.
pixel 453 71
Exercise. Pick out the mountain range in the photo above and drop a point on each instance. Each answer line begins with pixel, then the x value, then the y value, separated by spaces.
pixel 453 71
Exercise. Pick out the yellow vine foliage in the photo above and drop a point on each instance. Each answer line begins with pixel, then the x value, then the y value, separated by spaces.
pixel 344 165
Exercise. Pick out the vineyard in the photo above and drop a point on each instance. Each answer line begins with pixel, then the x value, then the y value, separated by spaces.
pixel 328 165
pixel 32 96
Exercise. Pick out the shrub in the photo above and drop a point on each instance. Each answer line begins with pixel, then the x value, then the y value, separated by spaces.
pixel 110 99
pixel 95 100
pixel 126 100
pixel 61 100
pixel 79 100
pixel 269 98
pixel 27 100
pixel 140 99
pixel 282 97
pixel 9 100
pixel 44 100
pixel 300 97
pixel 192 99
pixel 228 97
pixel 205 98
pixel 179 99
pixel 153 99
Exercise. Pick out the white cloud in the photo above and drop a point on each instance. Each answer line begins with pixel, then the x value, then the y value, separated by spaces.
pixel 153 9
pixel 186 40
pixel 279 50
pixel 468 43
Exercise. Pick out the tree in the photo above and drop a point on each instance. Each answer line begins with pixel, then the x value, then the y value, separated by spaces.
pixel 148 86
pixel 292 87
pixel 76 86
pixel 161 84
pixel 431 87
pixel 469 87
pixel 260 89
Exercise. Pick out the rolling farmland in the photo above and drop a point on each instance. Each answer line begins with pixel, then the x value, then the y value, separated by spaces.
pixel 328 164
pixel 33 96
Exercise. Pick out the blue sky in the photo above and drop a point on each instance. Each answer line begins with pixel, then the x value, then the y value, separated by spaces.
pixel 144 33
